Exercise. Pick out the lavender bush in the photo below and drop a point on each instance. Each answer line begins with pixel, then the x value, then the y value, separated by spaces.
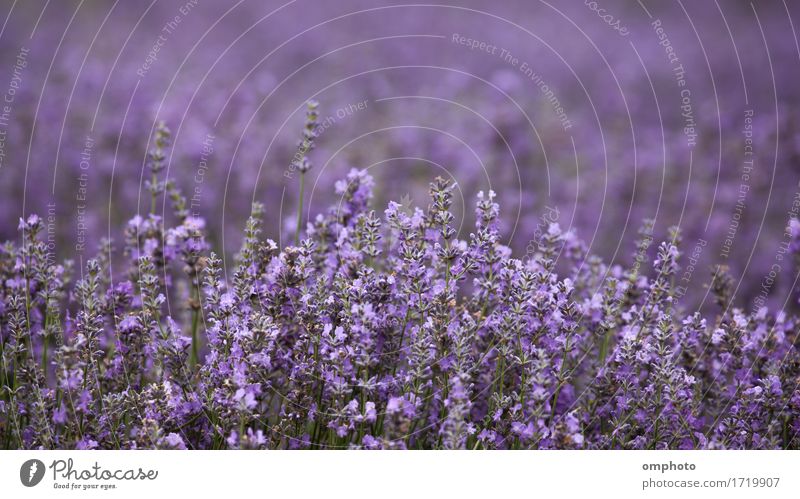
pixel 232 78
pixel 380 330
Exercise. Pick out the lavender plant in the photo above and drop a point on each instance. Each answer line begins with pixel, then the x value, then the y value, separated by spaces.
pixel 380 332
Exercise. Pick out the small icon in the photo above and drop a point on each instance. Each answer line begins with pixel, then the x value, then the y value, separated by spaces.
pixel 406 204
pixel 31 472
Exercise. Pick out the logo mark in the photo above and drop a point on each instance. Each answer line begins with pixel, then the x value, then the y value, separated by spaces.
pixel 407 204
pixel 31 472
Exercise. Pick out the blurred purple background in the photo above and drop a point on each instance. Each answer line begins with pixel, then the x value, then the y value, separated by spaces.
pixel 608 111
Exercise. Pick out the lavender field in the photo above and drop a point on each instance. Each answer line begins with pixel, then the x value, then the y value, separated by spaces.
pixel 376 225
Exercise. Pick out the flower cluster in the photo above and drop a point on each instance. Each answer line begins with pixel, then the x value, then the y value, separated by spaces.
pixel 380 332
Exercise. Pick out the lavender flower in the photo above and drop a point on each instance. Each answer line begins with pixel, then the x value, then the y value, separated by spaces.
pixel 380 333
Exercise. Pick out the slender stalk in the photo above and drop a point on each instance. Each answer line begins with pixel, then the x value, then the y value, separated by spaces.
pixel 560 383
pixel 300 208
pixel 44 358
pixel 194 304
pixel 153 194
pixel 604 347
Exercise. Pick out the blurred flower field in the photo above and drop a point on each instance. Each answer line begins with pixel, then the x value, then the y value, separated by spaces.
pixel 377 225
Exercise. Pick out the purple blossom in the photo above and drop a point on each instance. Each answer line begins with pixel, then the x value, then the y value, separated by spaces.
pixel 393 333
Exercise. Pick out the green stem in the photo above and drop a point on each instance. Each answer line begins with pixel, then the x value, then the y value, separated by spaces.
pixel 44 358
pixel 194 358
pixel 604 347
pixel 560 383
pixel 154 182
pixel 402 338
pixel 300 208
